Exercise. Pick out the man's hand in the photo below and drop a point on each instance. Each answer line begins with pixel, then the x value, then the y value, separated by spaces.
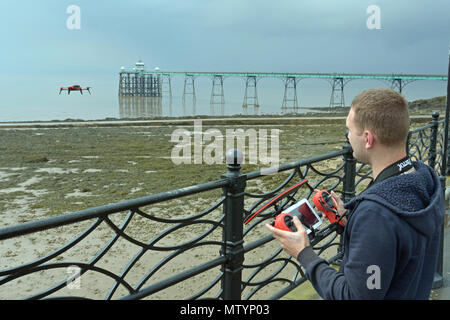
pixel 339 205
pixel 291 242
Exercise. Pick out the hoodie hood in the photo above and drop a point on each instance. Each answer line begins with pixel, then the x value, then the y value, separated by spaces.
pixel 416 198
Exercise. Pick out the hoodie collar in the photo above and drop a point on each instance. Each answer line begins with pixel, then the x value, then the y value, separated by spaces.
pixel 412 197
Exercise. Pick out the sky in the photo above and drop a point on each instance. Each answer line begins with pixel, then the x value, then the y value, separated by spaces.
pixel 42 51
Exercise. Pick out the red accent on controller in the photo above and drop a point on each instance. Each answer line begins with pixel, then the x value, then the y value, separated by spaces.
pixel 284 221
pixel 325 203
pixel 277 198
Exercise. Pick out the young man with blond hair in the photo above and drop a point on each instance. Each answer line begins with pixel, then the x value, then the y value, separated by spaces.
pixel 392 233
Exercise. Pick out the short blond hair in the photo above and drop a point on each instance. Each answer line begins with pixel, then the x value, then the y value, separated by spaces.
pixel 383 111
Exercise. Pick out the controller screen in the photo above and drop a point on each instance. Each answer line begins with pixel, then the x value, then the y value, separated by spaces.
pixel 306 216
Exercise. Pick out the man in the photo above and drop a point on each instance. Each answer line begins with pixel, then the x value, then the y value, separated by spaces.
pixel 392 233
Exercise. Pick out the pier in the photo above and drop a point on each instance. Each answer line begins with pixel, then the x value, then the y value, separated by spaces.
pixel 141 91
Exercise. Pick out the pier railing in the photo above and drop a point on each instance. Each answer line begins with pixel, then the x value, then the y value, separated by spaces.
pixel 176 245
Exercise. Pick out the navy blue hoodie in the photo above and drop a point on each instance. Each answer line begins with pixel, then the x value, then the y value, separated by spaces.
pixel 391 241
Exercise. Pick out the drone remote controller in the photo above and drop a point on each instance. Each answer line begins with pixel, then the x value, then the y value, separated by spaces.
pixel 304 212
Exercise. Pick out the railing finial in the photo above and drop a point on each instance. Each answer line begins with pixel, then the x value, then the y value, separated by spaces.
pixel 234 159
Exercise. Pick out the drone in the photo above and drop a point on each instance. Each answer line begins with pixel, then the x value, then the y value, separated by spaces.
pixel 75 87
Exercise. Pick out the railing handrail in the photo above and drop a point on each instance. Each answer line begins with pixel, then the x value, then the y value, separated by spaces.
pixel 299 163
pixel 105 210
pixel 427 126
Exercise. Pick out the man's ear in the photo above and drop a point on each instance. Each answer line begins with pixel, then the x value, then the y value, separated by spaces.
pixel 369 139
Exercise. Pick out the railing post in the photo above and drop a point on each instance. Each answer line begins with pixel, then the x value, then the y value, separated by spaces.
pixel 446 155
pixel 348 190
pixel 445 162
pixel 437 281
pixel 407 143
pixel 232 235
pixel 433 140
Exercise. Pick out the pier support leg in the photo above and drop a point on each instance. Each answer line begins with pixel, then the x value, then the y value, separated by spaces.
pixel 290 103
pixel 337 93
pixel 166 88
pixel 217 96
pixel 399 83
pixel 251 95
pixel 189 90
pixel 396 84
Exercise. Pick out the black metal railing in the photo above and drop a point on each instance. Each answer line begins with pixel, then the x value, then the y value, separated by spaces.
pixel 163 247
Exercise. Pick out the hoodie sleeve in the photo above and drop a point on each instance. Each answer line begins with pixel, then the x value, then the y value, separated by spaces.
pixel 370 265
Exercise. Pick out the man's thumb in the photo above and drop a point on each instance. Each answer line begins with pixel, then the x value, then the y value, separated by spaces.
pixel 298 224
pixel 335 198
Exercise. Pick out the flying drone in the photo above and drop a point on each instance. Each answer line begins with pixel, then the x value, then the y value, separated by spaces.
pixel 75 87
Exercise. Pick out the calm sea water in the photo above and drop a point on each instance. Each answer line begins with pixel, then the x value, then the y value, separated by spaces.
pixel 46 104
pixel 91 108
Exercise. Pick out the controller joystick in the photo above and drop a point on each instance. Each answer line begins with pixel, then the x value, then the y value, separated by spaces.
pixel 284 221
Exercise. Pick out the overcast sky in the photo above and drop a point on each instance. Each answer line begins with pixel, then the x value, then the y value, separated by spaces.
pixel 39 53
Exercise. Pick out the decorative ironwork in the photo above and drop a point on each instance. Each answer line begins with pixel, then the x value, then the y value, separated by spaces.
pixel 192 255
